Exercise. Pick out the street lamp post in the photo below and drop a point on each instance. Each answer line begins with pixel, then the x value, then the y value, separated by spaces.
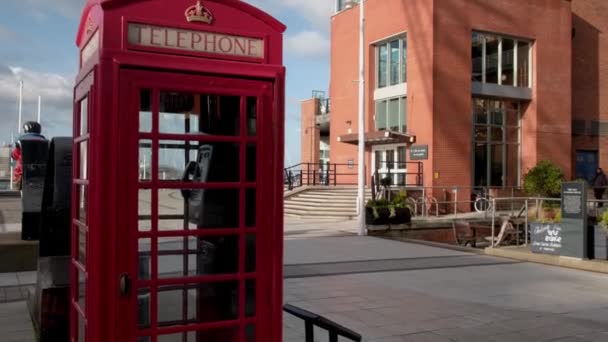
pixel 361 180
pixel 20 105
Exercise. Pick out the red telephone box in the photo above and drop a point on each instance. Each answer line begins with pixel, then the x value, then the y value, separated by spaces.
pixel 178 158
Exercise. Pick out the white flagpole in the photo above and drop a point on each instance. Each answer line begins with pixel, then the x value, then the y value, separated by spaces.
pixel 10 162
pixel 361 180
pixel 20 105
pixel 39 106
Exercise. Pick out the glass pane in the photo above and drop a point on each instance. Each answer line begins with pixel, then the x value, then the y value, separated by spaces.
pixel 382 65
pixel 393 115
pixel 512 135
pixel 395 61
pixel 144 212
pixel 481 134
pixel 378 159
pixel 390 158
pixel 477 55
pixel 145 110
pixel 192 256
pixel 403 115
pixel 251 162
pixel 184 113
pixel 144 339
pixel 250 205
pixel 221 334
pixel 496 112
pixel 480 111
pixel 401 157
pixel 82 330
pixel 82 246
pixel 82 203
pixel 145 160
pixel 404 60
pixel 512 162
pixel 252 115
pixel 143 308
pixel 512 109
pixel 491 59
pixel 497 134
pixel 197 303
pixel 508 59
pixel 250 298
pixel 84 161
pixel 381 115
pixel 198 208
pixel 82 291
pixel 481 165
pixel 523 64
pixel 250 253
pixel 496 164
pixel 84 116
pixel 144 266
pixel 209 162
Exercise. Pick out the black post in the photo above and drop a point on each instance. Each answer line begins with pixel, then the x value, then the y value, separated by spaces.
pixel 314 177
pixel 327 175
pixel 335 175
pixel 333 336
pixel 310 332
pixel 307 173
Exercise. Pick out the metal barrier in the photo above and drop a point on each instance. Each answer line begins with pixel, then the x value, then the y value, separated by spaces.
pixel 311 320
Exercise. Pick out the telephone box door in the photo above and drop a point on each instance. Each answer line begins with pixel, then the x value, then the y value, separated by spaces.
pixel 192 262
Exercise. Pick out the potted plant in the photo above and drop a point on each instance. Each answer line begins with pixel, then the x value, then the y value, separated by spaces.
pixel 401 213
pixel 600 238
pixel 377 212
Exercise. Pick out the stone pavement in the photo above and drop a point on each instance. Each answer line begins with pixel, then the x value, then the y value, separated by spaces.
pixel 436 295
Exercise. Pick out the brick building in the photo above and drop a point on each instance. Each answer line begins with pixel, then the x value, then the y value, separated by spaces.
pixel 489 87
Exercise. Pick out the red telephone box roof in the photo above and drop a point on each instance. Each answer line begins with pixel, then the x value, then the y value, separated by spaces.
pixel 237 4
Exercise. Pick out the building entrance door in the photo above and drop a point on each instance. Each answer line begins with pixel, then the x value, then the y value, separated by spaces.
pixel 390 160
pixel 191 266
pixel 586 164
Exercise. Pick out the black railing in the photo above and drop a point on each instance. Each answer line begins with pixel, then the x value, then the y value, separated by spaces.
pixel 311 320
pixel 320 174
pixel 387 174
pixel 323 107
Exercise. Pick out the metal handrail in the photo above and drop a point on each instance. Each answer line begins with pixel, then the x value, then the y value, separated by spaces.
pixel 311 320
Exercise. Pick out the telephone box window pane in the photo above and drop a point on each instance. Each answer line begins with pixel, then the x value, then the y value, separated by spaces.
pixel 208 162
pixel 252 115
pixel 250 333
pixel 143 264
pixel 145 160
pixel 84 116
pixel 82 291
pixel 144 211
pixel 198 208
pixel 82 330
pixel 250 253
pixel 82 203
pixel 200 255
pixel 250 298
pixel 145 110
pixel 185 113
pixel 144 339
pixel 82 246
pixel 143 309
pixel 221 334
pixel 251 163
pixel 250 203
pixel 84 152
pixel 212 302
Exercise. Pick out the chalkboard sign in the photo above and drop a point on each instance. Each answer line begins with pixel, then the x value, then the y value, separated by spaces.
pixel 546 238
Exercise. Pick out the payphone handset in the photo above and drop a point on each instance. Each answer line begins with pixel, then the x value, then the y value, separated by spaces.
pixel 197 172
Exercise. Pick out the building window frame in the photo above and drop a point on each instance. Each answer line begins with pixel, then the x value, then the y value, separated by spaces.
pixel 401 60
pixel 401 109
pixel 516 42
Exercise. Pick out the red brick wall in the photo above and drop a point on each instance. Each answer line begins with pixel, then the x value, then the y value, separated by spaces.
pixel 590 72
pixel 310 134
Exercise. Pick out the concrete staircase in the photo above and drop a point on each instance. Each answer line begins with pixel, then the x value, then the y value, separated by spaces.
pixel 324 203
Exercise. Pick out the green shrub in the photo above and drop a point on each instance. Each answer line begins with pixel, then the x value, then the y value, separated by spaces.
pixel 603 220
pixel 544 180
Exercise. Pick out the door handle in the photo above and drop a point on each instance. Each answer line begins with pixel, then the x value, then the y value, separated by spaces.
pixel 125 284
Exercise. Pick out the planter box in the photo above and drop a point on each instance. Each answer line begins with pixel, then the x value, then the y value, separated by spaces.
pixel 546 238
pixel 382 219
pixel 600 243
pixel 402 216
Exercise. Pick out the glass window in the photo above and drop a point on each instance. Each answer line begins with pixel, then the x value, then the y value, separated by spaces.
pixel 404 59
pixel 393 115
pixel 508 60
pixel 84 116
pixel 381 116
pixel 500 60
pixel 382 65
pixel 496 143
pixel 523 64
pixel 477 55
pixel 491 59
pixel 145 110
pixel 395 62
pixel 403 114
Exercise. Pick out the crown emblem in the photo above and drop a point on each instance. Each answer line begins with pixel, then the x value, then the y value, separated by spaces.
pixel 198 13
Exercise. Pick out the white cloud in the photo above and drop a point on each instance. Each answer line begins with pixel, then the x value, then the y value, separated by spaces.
pixel 56 92
pixel 316 12
pixel 6 34
pixel 307 44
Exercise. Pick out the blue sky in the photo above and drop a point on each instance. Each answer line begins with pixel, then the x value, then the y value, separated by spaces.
pixel 37 45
